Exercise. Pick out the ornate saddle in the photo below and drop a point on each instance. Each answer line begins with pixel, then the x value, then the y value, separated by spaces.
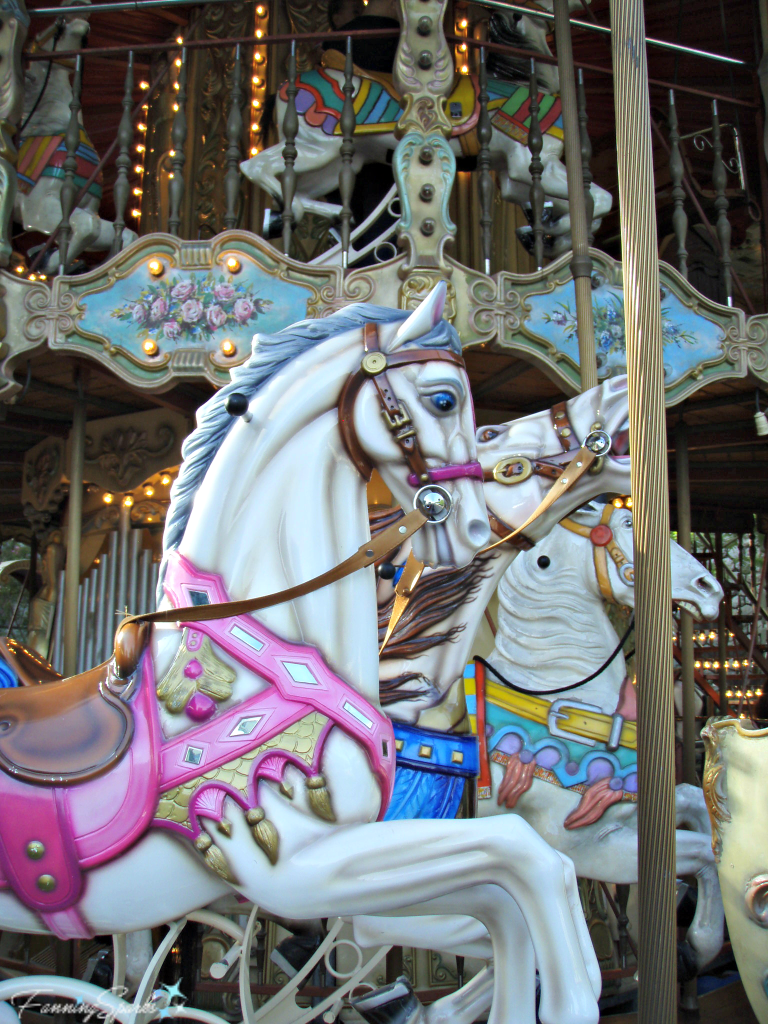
pixel 69 730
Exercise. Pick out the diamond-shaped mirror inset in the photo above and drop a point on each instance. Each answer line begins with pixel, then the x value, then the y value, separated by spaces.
pixel 193 755
pixel 300 673
pixel 246 725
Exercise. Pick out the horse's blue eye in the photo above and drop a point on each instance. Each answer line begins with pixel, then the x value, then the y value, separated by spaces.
pixel 443 401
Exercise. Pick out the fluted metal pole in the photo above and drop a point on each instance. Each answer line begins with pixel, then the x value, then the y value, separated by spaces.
pixel 581 264
pixel 645 370
pixel 686 619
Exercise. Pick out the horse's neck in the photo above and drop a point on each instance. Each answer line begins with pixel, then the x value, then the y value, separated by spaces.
pixel 551 636
pixel 264 528
pixel 51 116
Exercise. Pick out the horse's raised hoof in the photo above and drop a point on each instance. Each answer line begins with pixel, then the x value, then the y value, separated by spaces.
pixel 396 1003
pixel 294 953
pixel 273 224
pixel 686 963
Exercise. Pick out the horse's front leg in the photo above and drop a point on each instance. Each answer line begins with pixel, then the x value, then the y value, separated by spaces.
pixel 695 857
pixel 384 867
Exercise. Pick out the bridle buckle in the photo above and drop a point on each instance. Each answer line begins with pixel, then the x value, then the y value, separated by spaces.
pixel 502 470
pixel 399 422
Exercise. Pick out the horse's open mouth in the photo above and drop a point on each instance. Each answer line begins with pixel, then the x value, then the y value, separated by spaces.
pixel 694 609
pixel 620 443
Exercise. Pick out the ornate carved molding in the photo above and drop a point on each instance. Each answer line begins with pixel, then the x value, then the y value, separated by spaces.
pixel 123 451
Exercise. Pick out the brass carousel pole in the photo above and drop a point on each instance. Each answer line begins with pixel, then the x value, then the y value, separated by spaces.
pixel 686 619
pixel 581 264
pixel 645 370
pixel 74 531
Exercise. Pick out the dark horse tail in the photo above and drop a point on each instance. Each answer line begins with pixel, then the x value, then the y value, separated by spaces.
pixel 267 113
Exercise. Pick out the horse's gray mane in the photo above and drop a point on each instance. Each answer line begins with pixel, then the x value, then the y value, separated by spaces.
pixel 269 354
pixel 502 29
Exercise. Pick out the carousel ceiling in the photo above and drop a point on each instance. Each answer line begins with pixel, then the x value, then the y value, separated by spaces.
pixel 728 459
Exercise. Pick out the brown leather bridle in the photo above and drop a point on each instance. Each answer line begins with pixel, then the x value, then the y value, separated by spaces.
pixel 515 469
pixel 373 367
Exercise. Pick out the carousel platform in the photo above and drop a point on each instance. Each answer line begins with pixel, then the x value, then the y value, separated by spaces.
pixel 726 1004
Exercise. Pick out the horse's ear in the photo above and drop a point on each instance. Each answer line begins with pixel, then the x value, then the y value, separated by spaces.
pixel 421 321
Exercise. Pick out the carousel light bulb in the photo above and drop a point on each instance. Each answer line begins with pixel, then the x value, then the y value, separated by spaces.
pixel 697 664
pixel 180 40
pixel 258 58
pixel 228 348
pixel 149 490
pixel 233 264
pixel 618 503
pixel 255 102
pixel 175 107
pixel 141 148
pixel 463 24
pixel 729 693
pixel 261 10
pixel 149 519
pixel 155 267
pixel 141 126
pixel 172 152
pixel 259 33
pixel 254 127
pixel 463 48
pixel 170 176
pixel 256 81
pixel 145 107
pixel 749 693
pixel 43 277
pixel 464 69
pixel 742 715
pixel 707 664
pixel 138 169
pixel 144 85
pixel 150 346
pixel 177 62
pixel 128 501
pixel 19 269
pixel 716 664
pixel 33 277
pixel 136 214
pixel 628 501
pixel 712 635
pixel 176 86
pixel 738 693
pixel 254 150
pixel 758 693
pixel 165 479
pixel 108 498
pixel 138 191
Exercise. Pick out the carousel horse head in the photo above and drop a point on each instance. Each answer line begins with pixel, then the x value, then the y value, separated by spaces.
pixel 321 404
pixel 607 531
pixel 527 32
pixel 67 33
pixel 522 459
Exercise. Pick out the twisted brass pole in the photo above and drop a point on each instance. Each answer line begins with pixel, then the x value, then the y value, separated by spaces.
pixel 645 370
pixel 581 264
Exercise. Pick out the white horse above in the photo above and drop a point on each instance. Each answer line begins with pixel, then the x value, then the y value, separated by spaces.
pixel 259 759
pixel 42 149
pixel 319 139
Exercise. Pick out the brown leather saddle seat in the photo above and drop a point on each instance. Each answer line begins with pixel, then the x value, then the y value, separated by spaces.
pixel 28 667
pixel 71 730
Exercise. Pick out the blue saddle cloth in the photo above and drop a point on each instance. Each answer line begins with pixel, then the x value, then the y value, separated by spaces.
pixel 431 773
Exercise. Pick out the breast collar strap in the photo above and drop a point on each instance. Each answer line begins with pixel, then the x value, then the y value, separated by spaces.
pixel 374 366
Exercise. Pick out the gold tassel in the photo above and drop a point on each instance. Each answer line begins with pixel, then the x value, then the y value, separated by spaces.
pixel 214 858
pixel 319 798
pixel 264 832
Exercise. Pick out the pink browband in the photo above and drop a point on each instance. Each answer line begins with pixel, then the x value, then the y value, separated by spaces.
pixel 472 470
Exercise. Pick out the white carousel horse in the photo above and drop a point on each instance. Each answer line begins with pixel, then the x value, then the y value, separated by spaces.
pixel 578 794
pixel 318 142
pixel 260 761
pixel 42 149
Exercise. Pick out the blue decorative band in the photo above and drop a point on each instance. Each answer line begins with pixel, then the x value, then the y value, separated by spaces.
pixel 427 750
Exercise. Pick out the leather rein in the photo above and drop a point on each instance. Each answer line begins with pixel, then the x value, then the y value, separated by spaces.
pixel 575 459
pixel 373 366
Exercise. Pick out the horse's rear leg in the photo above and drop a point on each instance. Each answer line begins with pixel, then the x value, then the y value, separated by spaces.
pixel 314 157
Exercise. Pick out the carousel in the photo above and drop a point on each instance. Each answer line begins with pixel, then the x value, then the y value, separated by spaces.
pixel 458 309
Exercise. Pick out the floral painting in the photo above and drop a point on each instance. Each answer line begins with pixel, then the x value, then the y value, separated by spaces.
pixel 184 309
pixel 689 338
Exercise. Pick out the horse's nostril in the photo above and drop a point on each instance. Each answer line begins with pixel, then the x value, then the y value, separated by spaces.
pixel 479 531
pixel 703 584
